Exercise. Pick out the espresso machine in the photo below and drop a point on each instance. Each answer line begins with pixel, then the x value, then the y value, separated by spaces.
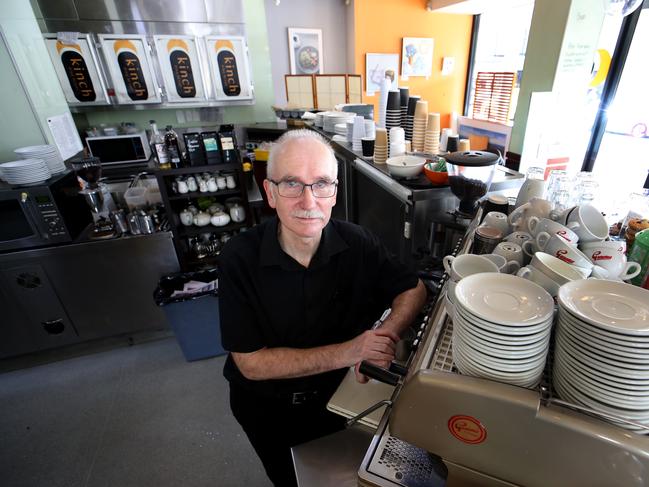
pixel 97 195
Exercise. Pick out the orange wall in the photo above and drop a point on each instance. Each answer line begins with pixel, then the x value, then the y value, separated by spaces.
pixel 380 25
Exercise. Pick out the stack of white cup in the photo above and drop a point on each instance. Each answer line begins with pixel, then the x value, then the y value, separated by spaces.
pixel 397 142
pixel 358 133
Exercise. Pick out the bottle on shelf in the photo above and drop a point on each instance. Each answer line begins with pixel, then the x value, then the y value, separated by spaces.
pixel 228 143
pixel 158 147
pixel 173 148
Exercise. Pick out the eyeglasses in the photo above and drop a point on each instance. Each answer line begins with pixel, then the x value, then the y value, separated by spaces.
pixel 294 189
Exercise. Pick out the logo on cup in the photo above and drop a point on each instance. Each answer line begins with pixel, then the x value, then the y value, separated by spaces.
pixel 597 255
pixel 564 235
pixel 561 254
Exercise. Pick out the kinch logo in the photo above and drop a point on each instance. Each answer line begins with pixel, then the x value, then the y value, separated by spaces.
pixel 131 69
pixel 227 63
pixel 76 71
pixel 181 67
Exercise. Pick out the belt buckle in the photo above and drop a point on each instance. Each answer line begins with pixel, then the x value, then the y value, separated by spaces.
pixel 299 398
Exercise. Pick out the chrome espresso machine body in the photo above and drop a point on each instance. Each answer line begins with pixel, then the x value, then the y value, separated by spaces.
pixel 477 432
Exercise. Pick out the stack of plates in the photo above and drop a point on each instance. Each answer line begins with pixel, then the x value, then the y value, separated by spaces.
pixel 319 119
pixel 341 129
pixel 331 119
pixel 601 355
pixel 25 171
pixel 502 326
pixel 48 153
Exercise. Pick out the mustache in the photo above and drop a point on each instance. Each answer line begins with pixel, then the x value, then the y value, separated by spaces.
pixel 307 214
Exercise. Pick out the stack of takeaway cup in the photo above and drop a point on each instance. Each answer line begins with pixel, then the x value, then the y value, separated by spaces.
pixel 370 127
pixel 383 101
pixel 393 112
pixel 397 138
pixel 419 126
pixel 381 146
pixel 404 96
pixel 463 145
pixel 350 130
pixel 359 133
pixel 444 139
pixel 410 116
pixel 431 140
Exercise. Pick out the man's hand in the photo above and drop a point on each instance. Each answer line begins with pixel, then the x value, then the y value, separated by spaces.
pixel 374 346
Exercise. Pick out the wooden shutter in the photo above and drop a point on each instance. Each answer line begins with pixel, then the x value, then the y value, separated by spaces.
pixel 493 96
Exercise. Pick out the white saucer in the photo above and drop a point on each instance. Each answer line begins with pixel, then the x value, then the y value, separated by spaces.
pixel 501 338
pixel 611 305
pixel 513 329
pixel 503 298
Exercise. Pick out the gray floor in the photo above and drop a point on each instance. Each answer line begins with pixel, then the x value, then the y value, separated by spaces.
pixel 130 416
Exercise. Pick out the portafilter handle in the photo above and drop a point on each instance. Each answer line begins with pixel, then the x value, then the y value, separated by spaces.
pixel 379 373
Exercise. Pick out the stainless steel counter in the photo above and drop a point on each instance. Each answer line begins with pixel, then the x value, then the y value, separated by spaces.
pixel 333 460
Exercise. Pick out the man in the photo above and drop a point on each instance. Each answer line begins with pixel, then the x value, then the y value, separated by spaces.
pixel 298 295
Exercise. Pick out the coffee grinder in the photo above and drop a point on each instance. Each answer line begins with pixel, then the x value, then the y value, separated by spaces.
pixel 99 199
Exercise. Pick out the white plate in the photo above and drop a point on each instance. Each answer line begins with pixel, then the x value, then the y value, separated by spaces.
pixel 616 373
pixel 505 299
pixel 611 305
pixel 469 333
pixel 505 339
pixel 518 378
pixel 503 364
pixel 637 341
pixel 614 351
pixel 601 357
pixel 504 329
pixel 467 370
pixel 505 356
pixel 598 393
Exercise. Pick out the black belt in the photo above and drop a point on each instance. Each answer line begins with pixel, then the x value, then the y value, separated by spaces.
pixel 287 398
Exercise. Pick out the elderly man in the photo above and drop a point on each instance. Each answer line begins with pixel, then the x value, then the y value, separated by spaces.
pixel 298 297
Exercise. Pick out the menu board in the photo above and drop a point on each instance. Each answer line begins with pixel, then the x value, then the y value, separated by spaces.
pixel 180 67
pixel 75 63
pixel 129 64
pixel 229 67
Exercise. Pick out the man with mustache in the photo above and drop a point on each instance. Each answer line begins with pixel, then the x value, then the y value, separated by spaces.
pixel 298 296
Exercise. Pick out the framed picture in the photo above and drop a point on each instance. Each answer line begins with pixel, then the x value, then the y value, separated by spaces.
pixel 375 67
pixel 330 90
pixel 229 67
pixel 76 66
pixel 180 67
pixel 300 91
pixel 354 88
pixel 305 51
pixel 130 68
pixel 417 56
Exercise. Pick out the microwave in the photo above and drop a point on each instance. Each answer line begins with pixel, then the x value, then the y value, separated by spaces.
pixel 119 149
pixel 41 215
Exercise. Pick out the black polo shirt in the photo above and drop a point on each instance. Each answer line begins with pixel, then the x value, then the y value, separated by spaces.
pixel 267 299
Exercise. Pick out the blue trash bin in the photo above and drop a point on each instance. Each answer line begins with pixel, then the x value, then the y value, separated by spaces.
pixel 194 320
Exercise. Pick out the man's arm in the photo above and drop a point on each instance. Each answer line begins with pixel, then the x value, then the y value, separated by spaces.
pixel 404 309
pixel 286 363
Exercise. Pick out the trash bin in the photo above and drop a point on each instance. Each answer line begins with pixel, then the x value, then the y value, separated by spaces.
pixel 193 318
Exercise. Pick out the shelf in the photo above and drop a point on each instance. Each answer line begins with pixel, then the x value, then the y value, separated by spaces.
pixel 194 230
pixel 194 169
pixel 198 194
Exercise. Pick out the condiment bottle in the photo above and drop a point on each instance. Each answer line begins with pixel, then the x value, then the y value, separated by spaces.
pixel 158 147
pixel 173 147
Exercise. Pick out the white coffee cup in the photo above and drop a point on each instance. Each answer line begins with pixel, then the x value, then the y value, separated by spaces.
pixel 504 266
pixel 614 262
pixel 557 246
pixel 497 220
pixel 591 225
pixel 467 264
pixel 537 207
pixel 518 237
pixel 618 246
pixel 531 273
pixel 555 269
pixel 536 225
pixel 510 251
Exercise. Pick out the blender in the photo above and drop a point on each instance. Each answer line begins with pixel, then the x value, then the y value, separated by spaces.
pixel 96 194
pixel 469 175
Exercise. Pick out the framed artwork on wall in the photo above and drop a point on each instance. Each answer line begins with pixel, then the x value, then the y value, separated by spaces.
pixel 354 88
pixel 375 67
pixel 180 67
pixel 299 90
pixel 230 70
pixel 305 51
pixel 417 56
pixel 131 71
pixel 75 63
pixel 330 90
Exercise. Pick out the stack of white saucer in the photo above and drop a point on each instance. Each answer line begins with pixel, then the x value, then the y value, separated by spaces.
pixel 48 153
pixel 501 329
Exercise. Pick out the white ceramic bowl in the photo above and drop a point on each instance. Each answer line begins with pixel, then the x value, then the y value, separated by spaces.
pixel 405 166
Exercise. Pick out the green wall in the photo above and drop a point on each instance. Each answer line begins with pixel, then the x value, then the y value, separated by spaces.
pixel 21 123
pixel 261 74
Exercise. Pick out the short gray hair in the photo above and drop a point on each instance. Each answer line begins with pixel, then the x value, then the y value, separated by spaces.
pixel 292 136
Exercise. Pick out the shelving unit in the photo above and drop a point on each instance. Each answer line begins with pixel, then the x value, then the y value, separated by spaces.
pixel 186 236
